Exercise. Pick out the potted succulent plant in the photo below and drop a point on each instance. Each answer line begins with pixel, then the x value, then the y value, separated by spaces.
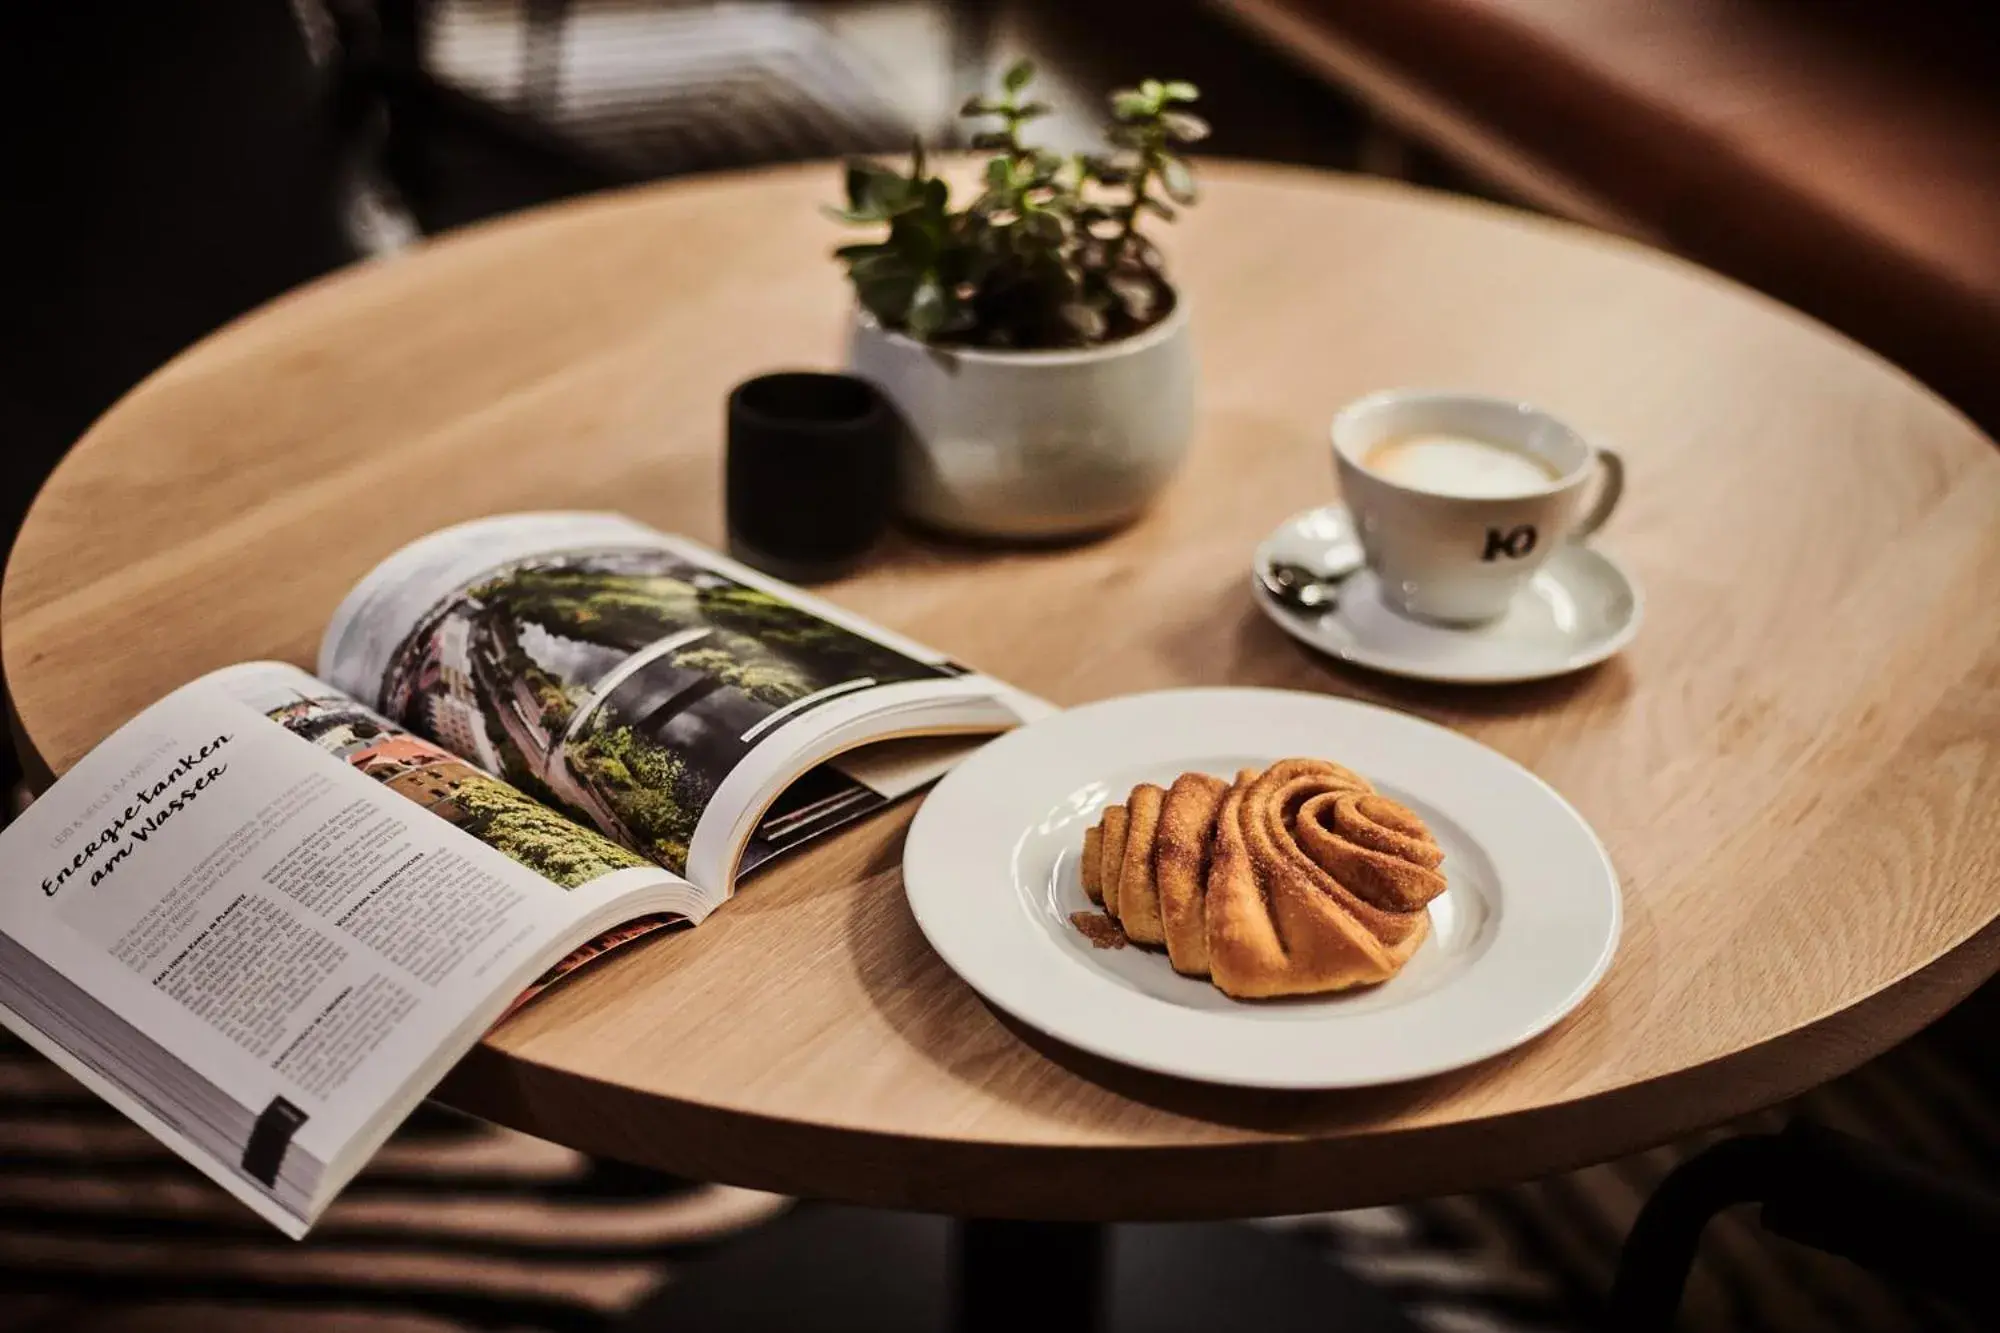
pixel 1030 339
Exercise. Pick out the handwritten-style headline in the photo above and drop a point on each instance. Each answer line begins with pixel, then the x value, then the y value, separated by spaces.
pixel 151 807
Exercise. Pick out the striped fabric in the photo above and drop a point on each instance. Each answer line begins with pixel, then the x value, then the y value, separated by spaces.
pixel 456 1225
pixel 462 1225
pixel 676 86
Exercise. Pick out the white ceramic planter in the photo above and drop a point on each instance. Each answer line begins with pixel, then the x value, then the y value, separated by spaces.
pixel 1034 444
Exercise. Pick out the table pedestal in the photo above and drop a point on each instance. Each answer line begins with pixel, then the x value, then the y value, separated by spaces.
pixel 829 1269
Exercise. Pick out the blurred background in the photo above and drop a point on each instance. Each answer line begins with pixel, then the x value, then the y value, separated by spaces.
pixel 171 165
pixel 175 164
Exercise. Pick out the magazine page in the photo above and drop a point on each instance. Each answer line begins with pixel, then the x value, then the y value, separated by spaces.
pixel 256 948
pixel 641 683
pixel 567 854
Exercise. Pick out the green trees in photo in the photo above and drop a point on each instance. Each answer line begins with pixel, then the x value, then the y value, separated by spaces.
pixel 747 665
pixel 622 611
pixel 537 837
pixel 656 793
pixel 820 649
pixel 628 611
pixel 495 630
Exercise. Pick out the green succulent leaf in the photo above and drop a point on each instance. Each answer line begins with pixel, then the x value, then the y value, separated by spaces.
pixel 1158 207
pixel 855 174
pixel 881 260
pixel 874 191
pixel 914 240
pixel 1018 75
pixel 1184 126
pixel 1177 179
pixel 1045 227
pixel 1130 104
pixel 1180 90
pixel 927 312
pixel 886 295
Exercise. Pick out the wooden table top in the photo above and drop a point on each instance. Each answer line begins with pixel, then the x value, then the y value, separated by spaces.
pixel 1796 767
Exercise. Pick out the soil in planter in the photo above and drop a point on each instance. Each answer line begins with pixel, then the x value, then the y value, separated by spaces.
pixel 1005 310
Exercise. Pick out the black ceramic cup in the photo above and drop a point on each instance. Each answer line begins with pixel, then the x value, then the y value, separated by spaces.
pixel 810 477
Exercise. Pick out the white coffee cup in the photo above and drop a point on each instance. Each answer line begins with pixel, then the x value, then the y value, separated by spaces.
pixel 1452 531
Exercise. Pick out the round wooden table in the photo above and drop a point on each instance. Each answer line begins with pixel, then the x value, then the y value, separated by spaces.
pixel 1796 767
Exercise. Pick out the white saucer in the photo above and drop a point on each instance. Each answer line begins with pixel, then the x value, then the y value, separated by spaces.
pixel 1580 608
pixel 1524 930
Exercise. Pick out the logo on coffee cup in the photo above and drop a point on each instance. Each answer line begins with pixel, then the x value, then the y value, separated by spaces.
pixel 1513 543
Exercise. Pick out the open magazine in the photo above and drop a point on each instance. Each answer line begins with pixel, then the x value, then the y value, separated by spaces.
pixel 267 915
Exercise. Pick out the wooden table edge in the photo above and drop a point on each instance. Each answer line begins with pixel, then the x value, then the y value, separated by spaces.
pixel 1295 1175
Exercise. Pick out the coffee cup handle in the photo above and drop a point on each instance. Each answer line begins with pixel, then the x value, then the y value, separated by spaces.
pixel 1610 486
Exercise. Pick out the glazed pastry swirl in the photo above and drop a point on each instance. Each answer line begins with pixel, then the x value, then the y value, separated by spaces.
pixel 1378 849
pixel 1298 879
pixel 1318 882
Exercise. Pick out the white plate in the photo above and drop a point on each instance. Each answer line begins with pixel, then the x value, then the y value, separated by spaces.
pixel 1524 930
pixel 1579 609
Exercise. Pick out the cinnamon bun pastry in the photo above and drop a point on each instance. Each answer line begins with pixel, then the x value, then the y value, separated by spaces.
pixel 1295 880
pixel 1111 857
pixel 1138 892
pixel 1317 882
pixel 1180 867
pixel 1092 866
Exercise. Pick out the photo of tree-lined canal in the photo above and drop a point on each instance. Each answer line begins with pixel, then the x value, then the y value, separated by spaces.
pixel 527 832
pixel 622 685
